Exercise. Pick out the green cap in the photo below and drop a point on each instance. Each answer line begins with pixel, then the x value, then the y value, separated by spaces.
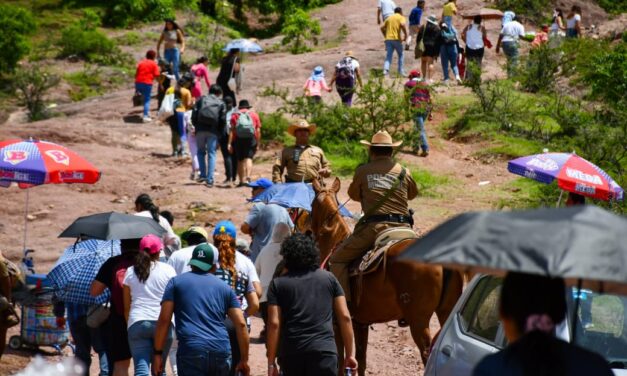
pixel 204 257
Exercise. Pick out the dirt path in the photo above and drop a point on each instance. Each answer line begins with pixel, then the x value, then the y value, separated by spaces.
pixel 134 158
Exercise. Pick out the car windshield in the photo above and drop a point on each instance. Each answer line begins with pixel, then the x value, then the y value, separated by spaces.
pixel 601 325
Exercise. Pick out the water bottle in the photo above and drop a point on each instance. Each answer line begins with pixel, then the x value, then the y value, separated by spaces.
pixel 348 371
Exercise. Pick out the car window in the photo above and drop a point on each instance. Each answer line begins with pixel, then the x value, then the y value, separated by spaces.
pixel 480 315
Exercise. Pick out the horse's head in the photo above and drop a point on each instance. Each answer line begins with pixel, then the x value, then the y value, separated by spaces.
pixel 327 224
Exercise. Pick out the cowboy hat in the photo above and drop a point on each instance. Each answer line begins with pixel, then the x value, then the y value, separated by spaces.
pixel 382 138
pixel 432 19
pixel 244 104
pixel 301 124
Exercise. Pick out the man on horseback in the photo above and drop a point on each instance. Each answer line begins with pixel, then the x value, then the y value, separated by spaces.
pixel 384 189
pixel 303 162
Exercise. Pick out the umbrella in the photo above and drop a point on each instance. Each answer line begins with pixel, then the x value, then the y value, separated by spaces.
pixel 292 195
pixel 485 13
pixel 584 244
pixel 29 163
pixel 111 225
pixel 76 269
pixel 244 45
pixel 573 174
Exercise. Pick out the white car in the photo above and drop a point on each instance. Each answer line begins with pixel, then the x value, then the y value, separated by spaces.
pixel 474 330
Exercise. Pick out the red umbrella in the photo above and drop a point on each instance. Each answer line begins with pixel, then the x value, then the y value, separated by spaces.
pixel 29 163
pixel 485 13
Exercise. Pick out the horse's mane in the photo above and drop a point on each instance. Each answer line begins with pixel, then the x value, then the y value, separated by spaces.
pixel 328 225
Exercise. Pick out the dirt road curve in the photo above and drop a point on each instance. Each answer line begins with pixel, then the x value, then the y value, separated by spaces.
pixel 134 158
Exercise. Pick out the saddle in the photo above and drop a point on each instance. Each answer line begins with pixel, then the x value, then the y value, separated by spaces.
pixel 372 259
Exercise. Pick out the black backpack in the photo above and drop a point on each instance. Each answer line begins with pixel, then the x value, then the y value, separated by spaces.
pixel 208 112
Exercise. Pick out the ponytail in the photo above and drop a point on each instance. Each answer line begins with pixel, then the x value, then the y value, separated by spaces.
pixel 226 251
pixel 143 261
pixel 145 202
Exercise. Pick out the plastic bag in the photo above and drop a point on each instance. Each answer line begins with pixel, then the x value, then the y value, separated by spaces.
pixel 167 107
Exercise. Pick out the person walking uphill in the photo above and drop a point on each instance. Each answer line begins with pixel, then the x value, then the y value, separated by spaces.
pixel 200 73
pixel 229 68
pixel 448 52
pixel 414 22
pixel 384 188
pixel 420 100
pixel 347 74
pixel 429 34
pixel 474 36
pixel 199 302
pixel 143 287
pixel 385 10
pixel 208 117
pixel 147 71
pixel 395 33
pixel 301 307
pixel 172 35
pixel 244 139
pixel 302 162
pixel 315 84
pixel 511 33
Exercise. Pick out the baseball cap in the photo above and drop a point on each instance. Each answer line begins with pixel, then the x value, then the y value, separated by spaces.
pixel 225 227
pixel 151 244
pixel 261 183
pixel 414 74
pixel 204 257
pixel 195 230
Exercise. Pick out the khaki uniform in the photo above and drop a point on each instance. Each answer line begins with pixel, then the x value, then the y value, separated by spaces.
pixel 370 184
pixel 310 161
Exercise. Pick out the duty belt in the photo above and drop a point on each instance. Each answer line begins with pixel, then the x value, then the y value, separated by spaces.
pixel 396 218
pixel 288 180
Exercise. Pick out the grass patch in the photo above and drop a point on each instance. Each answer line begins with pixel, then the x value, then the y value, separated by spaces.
pixel 132 38
pixel 346 158
pixel 336 41
pixel 506 146
pixel 93 81
pixel 429 183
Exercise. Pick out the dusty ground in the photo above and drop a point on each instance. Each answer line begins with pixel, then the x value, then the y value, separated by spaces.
pixel 134 158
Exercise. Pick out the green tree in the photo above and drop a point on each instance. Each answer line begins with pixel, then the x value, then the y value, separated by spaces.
pixel 298 30
pixel 31 84
pixel 17 24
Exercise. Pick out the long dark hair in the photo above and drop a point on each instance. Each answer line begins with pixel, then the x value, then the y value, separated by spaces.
pixel 143 262
pixel 175 26
pixel 558 13
pixel 226 250
pixel 522 297
pixel 145 203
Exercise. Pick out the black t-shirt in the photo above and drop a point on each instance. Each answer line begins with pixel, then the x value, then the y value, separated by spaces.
pixel 226 70
pixel 306 302
pixel 111 274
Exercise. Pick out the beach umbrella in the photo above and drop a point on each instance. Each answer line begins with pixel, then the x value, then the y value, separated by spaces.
pixel 76 269
pixel 573 174
pixel 29 163
pixel 292 195
pixel 244 45
pixel 111 225
pixel 485 13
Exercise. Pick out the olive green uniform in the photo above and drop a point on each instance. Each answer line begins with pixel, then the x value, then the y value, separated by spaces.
pixel 300 163
pixel 370 184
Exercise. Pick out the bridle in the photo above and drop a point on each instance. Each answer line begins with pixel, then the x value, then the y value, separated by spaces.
pixel 335 212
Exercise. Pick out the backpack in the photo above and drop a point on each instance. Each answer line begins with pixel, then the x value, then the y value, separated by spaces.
pixel 209 112
pixel 15 275
pixel 344 69
pixel 449 37
pixel 245 128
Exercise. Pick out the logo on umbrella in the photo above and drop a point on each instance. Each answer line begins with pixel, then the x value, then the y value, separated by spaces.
pixel 580 175
pixel 71 175
pixel 58 156
pixel 15 156
pixel 543 163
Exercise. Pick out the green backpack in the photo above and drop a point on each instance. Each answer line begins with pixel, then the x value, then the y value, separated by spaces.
pixel 245 128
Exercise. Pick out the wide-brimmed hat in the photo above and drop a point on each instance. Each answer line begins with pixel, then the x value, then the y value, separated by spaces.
pixel 349 53
pixel 433 19
pixel 244 104
pixel 301 124
pixel 382 138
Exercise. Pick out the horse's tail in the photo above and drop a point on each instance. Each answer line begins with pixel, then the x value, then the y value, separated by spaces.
pixel 452 286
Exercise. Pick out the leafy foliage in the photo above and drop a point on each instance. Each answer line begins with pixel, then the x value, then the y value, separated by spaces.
pixel 298 30
pixel 31 84
pixel 123 12
pixel 18 23
pixel 613 6
pixel 209 37
pixel 540 69
pixel 532 9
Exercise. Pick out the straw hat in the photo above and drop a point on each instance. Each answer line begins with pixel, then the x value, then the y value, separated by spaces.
pixel 301 124
pixel 382 138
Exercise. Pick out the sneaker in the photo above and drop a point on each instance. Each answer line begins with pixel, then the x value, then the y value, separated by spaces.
pixel 458 79
pixel 446 83
pixel 385 73
pixel 146 119
pixel 209 184
pixel 424 153
pixel 192 176
pixel 200 179
pixel 406 47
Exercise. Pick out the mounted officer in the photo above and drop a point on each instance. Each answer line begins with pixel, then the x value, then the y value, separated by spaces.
pixel 302 162
pixel 384 189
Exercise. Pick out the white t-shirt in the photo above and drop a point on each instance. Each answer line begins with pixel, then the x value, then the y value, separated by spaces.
pixel 266 264
pixel 170 238
pixel 146 297
pixel 512 31
pixel 474 37
pixel 180 259
pixel 387 8
pixel 571 22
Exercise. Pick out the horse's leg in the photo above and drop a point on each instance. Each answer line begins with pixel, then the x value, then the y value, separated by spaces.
pixel 422 337
pixel 361 346
pixel 452 290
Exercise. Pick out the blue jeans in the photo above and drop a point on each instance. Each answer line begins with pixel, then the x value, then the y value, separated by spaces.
pixel 145 90
pixel 173 56
pixel 85 338
pixel 194 363
pixel 510 49
pixel 207 143
pixel 390 47
pixel 448 55
pixel 141 337
pixel 420 126
pixel 180 122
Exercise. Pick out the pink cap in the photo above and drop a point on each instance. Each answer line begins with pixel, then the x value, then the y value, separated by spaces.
pixel 151 244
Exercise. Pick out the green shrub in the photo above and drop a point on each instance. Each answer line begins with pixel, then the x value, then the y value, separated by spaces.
pixel 31 84
pixel 274 127
pixel 18 23
pixel 209 37
pixel 613 6
pixel 534 10
pixel 86 83
pixel 132 38
pixel 539 69
pixel 299 30
pixel 123 12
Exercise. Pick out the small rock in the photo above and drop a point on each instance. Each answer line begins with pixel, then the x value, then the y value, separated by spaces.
pixel 41 213
pixel 515 190
pixel 470 175
pixel 485 182
pixel 197 205
pixel 119 200
pixel 50 206
pixel 31 217
pixel 156 187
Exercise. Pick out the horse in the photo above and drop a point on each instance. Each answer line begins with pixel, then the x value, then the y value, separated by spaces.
pixel 397 290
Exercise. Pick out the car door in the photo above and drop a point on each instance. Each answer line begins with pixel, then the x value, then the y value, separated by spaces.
pixel 472 331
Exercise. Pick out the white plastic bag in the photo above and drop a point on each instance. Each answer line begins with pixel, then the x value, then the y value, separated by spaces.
pixel 167 107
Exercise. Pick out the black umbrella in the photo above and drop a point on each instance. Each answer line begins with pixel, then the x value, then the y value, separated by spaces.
pixel 108 226
pixel 584 245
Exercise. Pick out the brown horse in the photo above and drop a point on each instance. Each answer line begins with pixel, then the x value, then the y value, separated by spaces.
pixel 400 290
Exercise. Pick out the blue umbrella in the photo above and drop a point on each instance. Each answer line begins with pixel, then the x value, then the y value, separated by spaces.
pixel 76 269
pixel 244 45
pixel 292 195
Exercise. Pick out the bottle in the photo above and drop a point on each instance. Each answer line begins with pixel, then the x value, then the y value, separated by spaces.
pixel 348 371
